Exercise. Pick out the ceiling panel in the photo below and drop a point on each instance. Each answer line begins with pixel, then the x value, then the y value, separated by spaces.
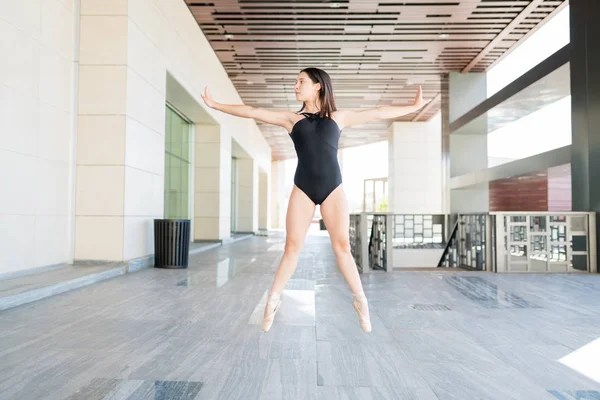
pixel 376 52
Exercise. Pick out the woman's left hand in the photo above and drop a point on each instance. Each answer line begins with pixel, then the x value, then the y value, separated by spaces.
pixel 419 102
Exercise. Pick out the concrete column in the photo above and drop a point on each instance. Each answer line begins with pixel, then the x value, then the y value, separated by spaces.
pixel 278 195
pixel 585 106
pixel 465 150
pixel 247 195
pixel 212 183
pixel 415 172
pixel 120 153
pixel 263 201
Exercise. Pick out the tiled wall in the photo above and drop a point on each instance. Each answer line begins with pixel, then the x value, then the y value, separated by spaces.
pixel 247 195
pixel 116 164
pixel 279 194
pixel 415 173
pixel 121 100
pixel 125 75
pixel 36 115
pixel 263 200
pixel 212 177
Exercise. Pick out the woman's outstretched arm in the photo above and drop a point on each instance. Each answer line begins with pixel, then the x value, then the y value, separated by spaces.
pixel 350 117
pixel 282 118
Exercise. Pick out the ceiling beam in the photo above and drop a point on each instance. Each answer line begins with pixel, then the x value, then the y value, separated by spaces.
pixel 427 107
pixel 505 32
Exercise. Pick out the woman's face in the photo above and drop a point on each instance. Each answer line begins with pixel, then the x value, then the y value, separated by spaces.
pixel 305 89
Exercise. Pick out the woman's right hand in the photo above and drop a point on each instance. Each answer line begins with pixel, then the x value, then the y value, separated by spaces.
pixel 207 97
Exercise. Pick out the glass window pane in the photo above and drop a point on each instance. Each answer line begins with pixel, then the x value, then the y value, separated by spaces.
pixel 177 166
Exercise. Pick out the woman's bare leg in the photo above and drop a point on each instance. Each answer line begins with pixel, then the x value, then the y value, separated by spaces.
pixel 300 213
pixel 337 221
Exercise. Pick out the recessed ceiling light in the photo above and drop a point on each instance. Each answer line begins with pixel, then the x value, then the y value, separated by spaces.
pixel 328 64
pixel 334 5
pixel 250 83
pixel 229 36
pixel 443 35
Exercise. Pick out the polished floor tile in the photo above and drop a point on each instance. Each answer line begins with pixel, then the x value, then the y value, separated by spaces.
pixel 195 334
pixel 137 390
pixel 576 394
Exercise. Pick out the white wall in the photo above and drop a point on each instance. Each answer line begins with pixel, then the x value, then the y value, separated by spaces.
pixel 264 188
pixel 417 258
pixel 127 49
pixel 36 114
pixel 468 145
pixel 247 220
pixel 359 163
pixel 415 171
pixel 212 188
pixel 279 194
pixel 160 37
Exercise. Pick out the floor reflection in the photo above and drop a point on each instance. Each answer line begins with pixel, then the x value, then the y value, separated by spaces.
pixel 137 390
pixel 226 270
pixel 486 293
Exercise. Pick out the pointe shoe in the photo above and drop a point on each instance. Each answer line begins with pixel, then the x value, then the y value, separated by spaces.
pixel 360 304
pixel 273 303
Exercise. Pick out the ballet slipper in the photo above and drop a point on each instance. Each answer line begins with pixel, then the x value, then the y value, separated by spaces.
pixel 361 307
pixel 271 308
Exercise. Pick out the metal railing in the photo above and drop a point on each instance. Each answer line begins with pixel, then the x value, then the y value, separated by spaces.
pixel 495 242
pixel 385 231
pixel 419 230
pixel 449 257
pixel 378 242
pixel 468 246
pixel 545 242
pixel 355 240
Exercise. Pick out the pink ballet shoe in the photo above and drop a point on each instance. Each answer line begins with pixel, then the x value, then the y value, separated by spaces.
pixel 362 309
pixel 273 304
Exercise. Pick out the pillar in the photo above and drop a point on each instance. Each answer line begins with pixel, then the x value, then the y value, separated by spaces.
pixel 263 201
pixel 465 150
pixel 212 183
pixel 120 149
pixel 415 172
pixel 585 106
pixel 247 195
pixel 278 195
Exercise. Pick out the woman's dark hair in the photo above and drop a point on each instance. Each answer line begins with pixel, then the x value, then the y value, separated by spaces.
pixel 326 99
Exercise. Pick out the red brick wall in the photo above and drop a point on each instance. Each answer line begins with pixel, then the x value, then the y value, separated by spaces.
pixel 544 191
pixel 528 193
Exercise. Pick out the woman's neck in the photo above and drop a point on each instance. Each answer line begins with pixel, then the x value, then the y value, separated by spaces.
pixel 311 109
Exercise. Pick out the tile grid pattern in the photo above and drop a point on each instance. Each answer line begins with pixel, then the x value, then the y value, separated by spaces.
pixel 184 334
pixel 376 52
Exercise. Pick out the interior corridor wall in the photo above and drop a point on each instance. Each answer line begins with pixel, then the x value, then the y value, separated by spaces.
pixel 415 171
pixel 161 37
pixel 121 127
pixel 37 74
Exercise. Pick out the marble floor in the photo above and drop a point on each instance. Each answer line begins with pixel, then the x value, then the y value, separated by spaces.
pixel 194 334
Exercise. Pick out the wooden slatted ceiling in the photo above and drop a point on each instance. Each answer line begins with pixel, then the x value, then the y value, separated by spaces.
pixel 376 52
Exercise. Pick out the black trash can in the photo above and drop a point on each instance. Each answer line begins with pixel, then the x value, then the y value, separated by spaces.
pixel 322 225
pixel 171 243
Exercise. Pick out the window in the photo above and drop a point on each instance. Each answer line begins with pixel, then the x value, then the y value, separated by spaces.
pixel 178 135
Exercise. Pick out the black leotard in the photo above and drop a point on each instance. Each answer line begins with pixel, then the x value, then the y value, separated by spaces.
pixel 316 142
